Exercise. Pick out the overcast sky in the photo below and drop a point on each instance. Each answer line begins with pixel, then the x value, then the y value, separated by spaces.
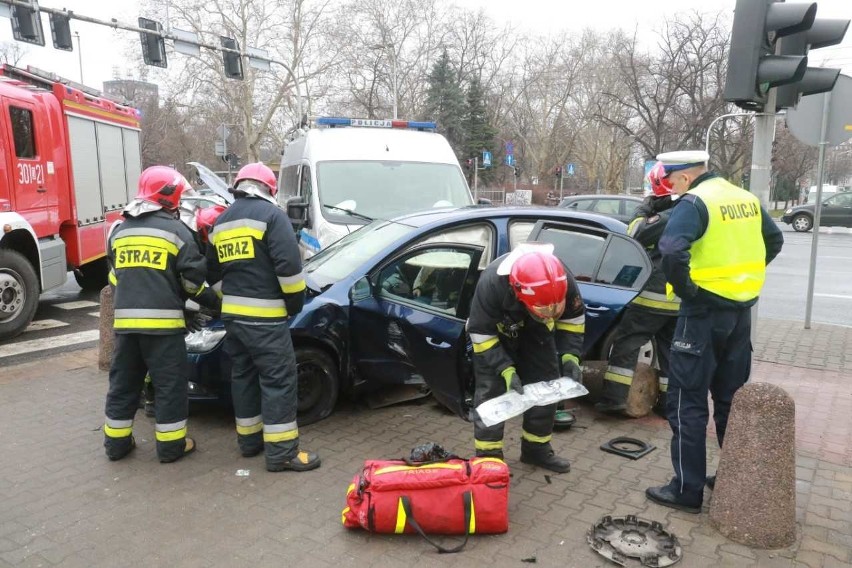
pixel 104 51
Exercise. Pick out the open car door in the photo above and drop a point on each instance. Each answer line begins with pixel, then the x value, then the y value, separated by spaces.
pixel 610 269
pixel 407 320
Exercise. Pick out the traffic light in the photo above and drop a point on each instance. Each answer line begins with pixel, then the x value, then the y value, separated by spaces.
pixel 26 24
pixel 823 33
pixel 558 171
pixel 753 67
pixel 153 46
pixel 468 163
pixel 233 61
pixel 60 29
pixel 517 172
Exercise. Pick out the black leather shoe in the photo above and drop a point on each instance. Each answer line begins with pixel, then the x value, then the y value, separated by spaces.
pixel 667 496
pixel 543 455
pixel 711 481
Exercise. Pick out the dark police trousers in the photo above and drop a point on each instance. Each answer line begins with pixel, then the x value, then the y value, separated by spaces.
pixel 164 357
pixel 710 352
pixel 637 327
pixel 536 359
pixel 264 386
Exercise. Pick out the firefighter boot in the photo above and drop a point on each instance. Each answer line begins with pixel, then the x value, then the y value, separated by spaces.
pixel 543 455
pixel 303 461
pixel 490 454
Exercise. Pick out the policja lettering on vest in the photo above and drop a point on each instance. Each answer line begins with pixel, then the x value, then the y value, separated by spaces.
pixel 735 211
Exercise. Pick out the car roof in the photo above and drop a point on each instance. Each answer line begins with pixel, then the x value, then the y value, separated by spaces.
pixel 601 196
pixel 472 213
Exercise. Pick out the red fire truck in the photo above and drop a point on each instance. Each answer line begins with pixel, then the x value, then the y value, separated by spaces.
pixel 70 163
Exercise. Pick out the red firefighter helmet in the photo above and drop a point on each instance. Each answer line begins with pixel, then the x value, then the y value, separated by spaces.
pixel 162 186
pixel 540 283
pixel 204 219
pixel 259 173
pixel 660 184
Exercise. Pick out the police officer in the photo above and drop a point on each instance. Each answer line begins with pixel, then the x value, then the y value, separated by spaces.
pixel 155 266
pixel 526 324
pixel 651 314
pixel 715 250
pixel 255 263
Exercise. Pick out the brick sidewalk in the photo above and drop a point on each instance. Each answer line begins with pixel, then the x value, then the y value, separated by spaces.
pixel 65 504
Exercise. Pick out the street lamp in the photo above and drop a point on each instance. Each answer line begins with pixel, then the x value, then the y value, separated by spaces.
pixel 80 56
pixel 388 47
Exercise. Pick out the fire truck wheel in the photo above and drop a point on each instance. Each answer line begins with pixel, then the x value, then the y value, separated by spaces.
pixel 92 277
pixel 18 293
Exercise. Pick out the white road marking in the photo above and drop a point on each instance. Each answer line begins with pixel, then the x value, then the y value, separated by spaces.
pixel 48 343
pixel 75 305
pixel 45 324
pixel 840 296
pixel 96 314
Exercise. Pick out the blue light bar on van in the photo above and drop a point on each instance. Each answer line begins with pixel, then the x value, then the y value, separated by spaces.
pixel 375 123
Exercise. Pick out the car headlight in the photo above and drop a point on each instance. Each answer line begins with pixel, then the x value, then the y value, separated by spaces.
pixel 204 340
pixel 788 211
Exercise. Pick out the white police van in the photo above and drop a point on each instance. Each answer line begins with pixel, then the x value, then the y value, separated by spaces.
pixel 343 172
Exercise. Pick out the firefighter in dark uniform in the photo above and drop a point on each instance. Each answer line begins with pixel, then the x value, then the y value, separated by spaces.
pixel 255 263
pixel 652 314
pixel 155 266
pixel 715 249
pixel 526 324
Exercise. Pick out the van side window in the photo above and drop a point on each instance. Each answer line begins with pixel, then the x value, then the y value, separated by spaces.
pixel 305 183
pixel 289 181
pixel 22 131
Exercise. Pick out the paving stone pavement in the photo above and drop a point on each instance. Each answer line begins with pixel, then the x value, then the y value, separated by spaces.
pixel 63 503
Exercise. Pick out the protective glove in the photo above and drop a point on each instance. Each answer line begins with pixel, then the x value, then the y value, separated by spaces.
pixel 659 204
pixel 571 369
pixel 513 381
pixel 195 321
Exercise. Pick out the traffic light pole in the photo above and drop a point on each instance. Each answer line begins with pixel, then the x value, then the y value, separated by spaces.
pixel 476 178
pixel 761 152
pixel 561 180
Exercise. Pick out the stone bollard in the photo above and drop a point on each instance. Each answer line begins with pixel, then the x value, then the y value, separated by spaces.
pixel 643 391
pixel 754 502
pixel 107 336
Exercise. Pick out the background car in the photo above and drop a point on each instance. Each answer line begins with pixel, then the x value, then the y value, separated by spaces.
pixel 836 212
pixel 621 207
pixel 387 304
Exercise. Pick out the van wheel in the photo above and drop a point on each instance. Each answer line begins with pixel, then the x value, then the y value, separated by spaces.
pixel 318 384
pixel 19 289
pixel 802 223
pixel 92 277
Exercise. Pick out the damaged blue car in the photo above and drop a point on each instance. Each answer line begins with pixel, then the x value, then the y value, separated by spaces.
pixel 386 305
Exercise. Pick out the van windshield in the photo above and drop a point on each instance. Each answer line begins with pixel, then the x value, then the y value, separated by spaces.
pixel 343 257
pixel 388 189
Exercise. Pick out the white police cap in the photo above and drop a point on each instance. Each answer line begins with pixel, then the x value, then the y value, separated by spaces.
pixel 674 161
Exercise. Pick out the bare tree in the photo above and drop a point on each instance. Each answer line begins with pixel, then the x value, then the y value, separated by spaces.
pixel 11 52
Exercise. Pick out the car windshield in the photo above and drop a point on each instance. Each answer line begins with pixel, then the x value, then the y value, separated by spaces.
pixel 389 189
pixel 342 258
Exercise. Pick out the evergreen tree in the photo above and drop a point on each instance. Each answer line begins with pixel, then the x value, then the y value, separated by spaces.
pixel 479 133
pixel 445 102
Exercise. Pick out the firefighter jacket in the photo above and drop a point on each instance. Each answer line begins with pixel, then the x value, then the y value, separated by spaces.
pixel 155 266
pixel 716 246
pixel 497 317
pixel 646 228
pixel 255 263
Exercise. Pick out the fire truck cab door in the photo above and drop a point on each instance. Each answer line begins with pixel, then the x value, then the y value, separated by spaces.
pixel 26 143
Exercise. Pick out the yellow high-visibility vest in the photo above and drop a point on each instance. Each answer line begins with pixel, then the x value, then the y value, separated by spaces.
pixel 730 258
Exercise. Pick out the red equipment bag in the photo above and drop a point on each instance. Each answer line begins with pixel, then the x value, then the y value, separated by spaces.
pixel 455 496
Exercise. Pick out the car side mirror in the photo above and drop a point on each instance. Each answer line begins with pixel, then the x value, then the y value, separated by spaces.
pixel 361 290
pixel 297 211
pixel 483 201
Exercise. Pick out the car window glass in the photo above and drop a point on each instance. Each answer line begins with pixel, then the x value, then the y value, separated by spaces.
pixel 519 232
pixel 606 206
pixel 430 277
pixel 630 207
pixel 22 132
pixel 579 250
pixel 622 264
pixel 479 235
pixel 842 200
pixel 582 204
